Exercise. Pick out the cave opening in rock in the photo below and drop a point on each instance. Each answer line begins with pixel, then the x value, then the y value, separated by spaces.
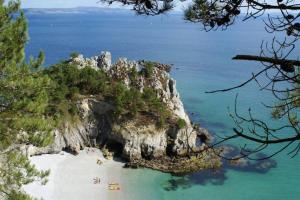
pixel 115 147
pixel 147 152
pixel 169 149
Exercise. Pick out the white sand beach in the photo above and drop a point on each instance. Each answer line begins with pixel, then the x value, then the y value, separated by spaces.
pixel 73 177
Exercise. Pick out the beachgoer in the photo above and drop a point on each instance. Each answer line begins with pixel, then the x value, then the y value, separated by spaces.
pixel 97 180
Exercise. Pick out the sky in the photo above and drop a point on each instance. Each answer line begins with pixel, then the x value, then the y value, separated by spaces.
pixel 59 3
pixel 65 4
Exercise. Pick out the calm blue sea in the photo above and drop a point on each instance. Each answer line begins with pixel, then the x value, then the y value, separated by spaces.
pixel 202 62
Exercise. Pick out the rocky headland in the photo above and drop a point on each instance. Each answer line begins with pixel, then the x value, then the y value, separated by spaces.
pixel 177 147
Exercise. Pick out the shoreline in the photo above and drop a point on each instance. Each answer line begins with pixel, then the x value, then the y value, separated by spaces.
pixel 73 177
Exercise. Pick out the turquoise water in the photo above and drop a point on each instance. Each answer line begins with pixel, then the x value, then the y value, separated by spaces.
pixel 201 63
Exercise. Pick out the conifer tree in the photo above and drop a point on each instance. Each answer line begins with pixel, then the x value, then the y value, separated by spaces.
pixel 23 104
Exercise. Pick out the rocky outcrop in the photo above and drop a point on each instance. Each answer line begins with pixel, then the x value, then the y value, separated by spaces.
pixel 132 140
pixel 104 60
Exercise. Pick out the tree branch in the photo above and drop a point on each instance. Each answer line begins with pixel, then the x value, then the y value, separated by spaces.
pixel 267 59
pixel 276 141
pixel 278 7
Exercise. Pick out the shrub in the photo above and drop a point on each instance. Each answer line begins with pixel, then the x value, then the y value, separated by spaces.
pixel 118 92
pixel 126 100
pixel 73 109
pixel 149 94
pixel 161 122
pixel 74 54
pixel 148 69
pixel 181 123
pixel 134 101
pixel 133 73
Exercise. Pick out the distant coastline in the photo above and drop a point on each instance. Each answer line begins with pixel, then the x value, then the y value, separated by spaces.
pixel 80 9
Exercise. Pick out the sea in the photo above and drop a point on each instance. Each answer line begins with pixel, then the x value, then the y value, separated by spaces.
pixel 201 62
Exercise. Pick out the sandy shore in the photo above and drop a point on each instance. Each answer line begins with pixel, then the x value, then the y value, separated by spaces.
pixel 72 177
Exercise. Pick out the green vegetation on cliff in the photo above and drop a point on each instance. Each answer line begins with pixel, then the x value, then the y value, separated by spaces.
pixel 70 83
pixel 181 123
pixel 148 70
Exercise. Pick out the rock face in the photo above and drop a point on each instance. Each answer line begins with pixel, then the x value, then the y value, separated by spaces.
pixel 104 60
pixel 131 139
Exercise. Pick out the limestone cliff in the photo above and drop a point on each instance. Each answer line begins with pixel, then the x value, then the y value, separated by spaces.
pixel 131 138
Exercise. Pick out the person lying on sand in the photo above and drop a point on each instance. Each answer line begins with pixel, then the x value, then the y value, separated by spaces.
pixel 99 162
pixel 97 180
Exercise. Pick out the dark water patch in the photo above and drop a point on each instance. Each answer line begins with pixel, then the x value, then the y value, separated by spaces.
pixel 259 165
pixel 215 177
pixel 197 118
pixel 177 182
pixel 219 177
pixel 193 101
pixel 214 125
pixel 194 116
